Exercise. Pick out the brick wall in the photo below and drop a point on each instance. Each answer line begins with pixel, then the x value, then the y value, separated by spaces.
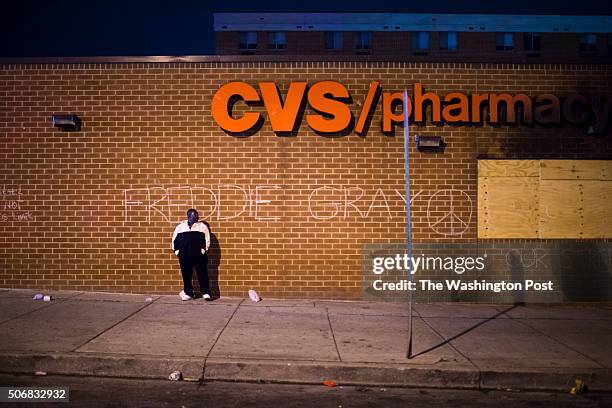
pixel 95 209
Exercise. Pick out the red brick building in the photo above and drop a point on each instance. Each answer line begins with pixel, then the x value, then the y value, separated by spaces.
pixel 94 209
pixel 418 37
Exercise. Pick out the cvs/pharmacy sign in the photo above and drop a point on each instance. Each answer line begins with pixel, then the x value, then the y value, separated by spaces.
pixel 331 102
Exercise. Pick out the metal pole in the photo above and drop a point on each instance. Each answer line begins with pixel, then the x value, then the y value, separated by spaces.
pixel 408 226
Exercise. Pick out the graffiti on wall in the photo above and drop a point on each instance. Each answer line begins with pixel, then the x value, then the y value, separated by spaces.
pixel 12 205
pixel 449 211
pixel 450 222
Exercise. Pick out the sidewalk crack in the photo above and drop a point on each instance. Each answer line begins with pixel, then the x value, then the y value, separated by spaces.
pixel 557 341
pixel 51 304
pixel 112 326
pixel 449 342
pixel 331 329
pixel 217 339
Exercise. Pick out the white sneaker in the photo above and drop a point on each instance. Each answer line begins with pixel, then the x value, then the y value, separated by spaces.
pixel 206 297
pixel 184 296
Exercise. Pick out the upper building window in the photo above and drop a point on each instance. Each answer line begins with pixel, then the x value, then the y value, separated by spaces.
pixel 588 43
pixel 504 41
pixel 248 40
pixel 276 40
pixel 420 41
pixel 333 40
pixel 448 41
pixel 533 42
pixel 363 41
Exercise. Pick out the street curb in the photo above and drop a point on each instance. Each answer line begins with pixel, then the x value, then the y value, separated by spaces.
pixel 341 373
pixel 301 372
pixel 405 376
pixel 596 379
pixel 149 367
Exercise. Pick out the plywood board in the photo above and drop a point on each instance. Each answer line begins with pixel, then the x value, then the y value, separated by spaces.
pixel 574 169
pixel 607 170
pixel 596 213
pixel 547 199
pixel 508 168
pixel 559 209
pixel 483 183
pixel 507 207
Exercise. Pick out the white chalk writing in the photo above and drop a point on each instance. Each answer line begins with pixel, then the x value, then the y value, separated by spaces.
pixel 449 211
pixel 449 222
pixel 222 202
pixel 12 205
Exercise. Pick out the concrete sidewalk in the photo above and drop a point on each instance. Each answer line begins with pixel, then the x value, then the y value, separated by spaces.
pixel 455 345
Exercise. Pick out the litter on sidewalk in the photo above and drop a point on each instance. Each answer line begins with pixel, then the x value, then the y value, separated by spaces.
pixel 329 383
pixel 254 296
pixel 45 298
pixel 580 387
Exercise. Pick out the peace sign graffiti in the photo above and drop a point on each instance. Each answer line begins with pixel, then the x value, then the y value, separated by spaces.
pixel 449 223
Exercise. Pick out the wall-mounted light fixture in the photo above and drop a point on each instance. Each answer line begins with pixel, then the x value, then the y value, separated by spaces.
pixel 430 143
pixel 67 122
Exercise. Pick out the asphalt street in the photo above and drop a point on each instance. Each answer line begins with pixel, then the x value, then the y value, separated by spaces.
pixel 113 392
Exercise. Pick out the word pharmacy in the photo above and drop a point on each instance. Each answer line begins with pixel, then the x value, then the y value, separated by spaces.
pixel 331 102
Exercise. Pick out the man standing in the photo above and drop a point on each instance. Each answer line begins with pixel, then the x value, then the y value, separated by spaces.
pixel 190 243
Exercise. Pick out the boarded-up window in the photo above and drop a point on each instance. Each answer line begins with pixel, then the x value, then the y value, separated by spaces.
pixel 544 199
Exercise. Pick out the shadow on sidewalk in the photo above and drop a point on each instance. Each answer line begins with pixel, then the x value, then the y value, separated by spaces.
pixel 214 260
pixel 464 332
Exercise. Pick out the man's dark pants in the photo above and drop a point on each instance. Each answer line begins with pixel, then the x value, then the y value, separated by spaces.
pixel 199 262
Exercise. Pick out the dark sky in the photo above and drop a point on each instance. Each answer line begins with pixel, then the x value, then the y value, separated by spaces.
pixel 184 27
